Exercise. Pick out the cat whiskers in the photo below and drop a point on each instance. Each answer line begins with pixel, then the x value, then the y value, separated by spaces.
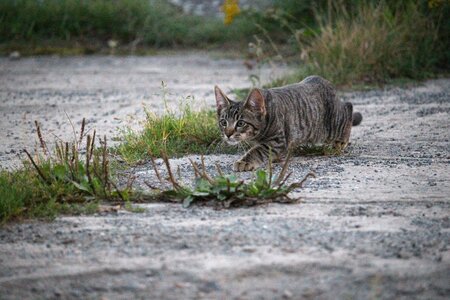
pixel 219 145
pixel 244 146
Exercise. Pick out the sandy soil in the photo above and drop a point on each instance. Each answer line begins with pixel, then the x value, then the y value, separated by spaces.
pixel 373 224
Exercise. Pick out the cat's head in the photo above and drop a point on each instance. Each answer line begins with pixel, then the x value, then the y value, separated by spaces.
pixel 240 121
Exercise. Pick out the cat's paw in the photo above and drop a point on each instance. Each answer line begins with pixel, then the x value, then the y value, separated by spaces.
pixel 241 166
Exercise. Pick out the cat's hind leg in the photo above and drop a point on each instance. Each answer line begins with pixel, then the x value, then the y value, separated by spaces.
pixel 345 128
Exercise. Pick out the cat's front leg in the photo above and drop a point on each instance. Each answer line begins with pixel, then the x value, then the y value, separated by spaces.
pixel 241 165
pixel 255 157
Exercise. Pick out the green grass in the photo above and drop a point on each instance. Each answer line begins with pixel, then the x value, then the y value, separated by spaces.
pixel 49 25
pixel 23 195
pixel 14 193
pixel 29 25
pixel 190 132
pixel 175 133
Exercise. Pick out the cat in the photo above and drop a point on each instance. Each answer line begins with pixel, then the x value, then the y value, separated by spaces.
pixel 273 120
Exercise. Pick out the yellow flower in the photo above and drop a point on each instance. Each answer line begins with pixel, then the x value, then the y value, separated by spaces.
pixel 435 3
pixel 231 10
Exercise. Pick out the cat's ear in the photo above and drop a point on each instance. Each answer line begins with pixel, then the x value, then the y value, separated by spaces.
pixel 222 100
pixel 255 102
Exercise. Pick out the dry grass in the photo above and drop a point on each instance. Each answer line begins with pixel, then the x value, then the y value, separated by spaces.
pixel 372 44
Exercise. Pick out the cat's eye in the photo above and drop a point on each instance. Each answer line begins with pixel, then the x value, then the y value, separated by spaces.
pixel 240 123
pixel 223 123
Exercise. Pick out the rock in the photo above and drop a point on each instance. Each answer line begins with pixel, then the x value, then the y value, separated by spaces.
pixel 14 55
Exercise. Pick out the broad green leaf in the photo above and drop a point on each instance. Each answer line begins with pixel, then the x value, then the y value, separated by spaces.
pixel 202 185
pixel 82 187
pixel 222 197
pixel 200 194
pixel 59 172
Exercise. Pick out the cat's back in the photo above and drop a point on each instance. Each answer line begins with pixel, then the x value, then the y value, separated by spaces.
pixel 316 84
pixel 311 89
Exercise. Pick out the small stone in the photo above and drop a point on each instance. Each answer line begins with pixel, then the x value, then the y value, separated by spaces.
pixel 14 55
pixel 287 294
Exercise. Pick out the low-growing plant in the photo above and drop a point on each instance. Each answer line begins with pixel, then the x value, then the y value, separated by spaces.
pixel 228 190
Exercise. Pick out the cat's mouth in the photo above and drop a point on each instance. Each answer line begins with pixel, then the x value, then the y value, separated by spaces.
pixel 232 142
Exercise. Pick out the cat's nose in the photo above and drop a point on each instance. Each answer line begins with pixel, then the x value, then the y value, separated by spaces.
pixel 228 133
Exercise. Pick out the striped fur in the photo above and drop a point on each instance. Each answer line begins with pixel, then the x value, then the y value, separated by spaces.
pixel 272 120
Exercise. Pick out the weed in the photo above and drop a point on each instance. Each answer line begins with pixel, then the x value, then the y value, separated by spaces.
pixel 68 168
pixel 228 190
pixel 64 179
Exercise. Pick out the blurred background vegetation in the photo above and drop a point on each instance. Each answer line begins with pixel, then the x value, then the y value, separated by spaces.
pixel 369 41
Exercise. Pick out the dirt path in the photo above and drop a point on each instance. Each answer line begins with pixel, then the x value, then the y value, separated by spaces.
pixel 373 224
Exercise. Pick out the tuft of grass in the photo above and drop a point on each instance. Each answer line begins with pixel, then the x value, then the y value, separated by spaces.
pixel 14 193
pixel 360 43
pixel 173 133
pixel 373 43
pixel 190 132
pixel 64 179
pixel 228 190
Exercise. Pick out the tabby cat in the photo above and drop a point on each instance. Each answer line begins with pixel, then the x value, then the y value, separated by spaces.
pixel 273 120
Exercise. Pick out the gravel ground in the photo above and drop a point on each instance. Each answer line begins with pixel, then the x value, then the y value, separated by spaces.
pixel 373 224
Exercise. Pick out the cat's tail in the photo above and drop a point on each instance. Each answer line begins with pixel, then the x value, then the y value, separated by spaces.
pixel 357 118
